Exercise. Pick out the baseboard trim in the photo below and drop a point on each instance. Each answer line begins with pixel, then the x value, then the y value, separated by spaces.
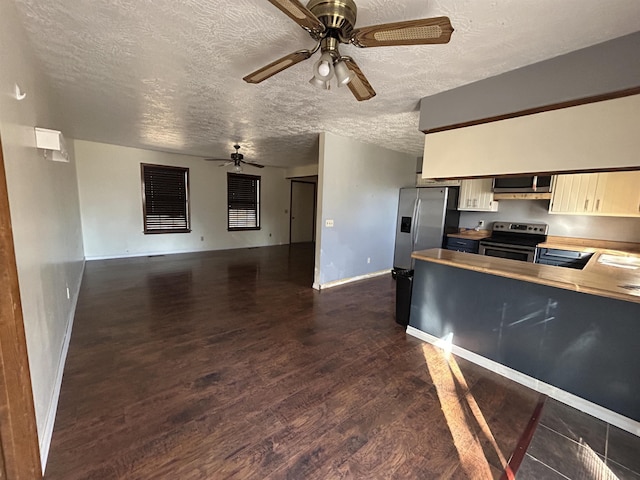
pixel 175 252
pixel 563 396
pixel 337 283
pixel 45 438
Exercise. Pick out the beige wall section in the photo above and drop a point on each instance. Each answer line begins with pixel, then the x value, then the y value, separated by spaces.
pixel 302 171
pixel 111 204
pixel 593 136
pixel 43 199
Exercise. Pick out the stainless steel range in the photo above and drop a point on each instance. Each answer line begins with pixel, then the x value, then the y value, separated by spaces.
pixel 516 241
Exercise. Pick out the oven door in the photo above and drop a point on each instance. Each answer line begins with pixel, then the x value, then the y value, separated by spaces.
pixel 512 252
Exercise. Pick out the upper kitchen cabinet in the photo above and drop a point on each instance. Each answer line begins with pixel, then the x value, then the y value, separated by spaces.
pixel 477 195
pixel 615 194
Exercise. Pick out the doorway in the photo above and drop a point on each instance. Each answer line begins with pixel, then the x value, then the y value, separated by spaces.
pixel 303 212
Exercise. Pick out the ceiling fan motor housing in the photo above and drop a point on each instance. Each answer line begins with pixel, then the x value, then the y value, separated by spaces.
pixel 235 156
pixel 336 15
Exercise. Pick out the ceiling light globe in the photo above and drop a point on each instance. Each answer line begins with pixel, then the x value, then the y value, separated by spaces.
pixel 321 84
pixel 324 69
pixel 343 74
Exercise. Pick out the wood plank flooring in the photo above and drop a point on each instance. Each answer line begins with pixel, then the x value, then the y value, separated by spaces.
pixel 228 365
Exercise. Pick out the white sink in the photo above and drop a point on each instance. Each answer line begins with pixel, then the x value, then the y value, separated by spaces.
pixel 620 261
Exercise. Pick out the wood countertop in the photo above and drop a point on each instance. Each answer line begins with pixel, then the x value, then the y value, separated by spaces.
pixel 471 234
pixel 589 245
pixel 596 278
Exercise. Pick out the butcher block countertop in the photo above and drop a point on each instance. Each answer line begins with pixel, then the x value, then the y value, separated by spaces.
pixel 617 278
pixel 471 234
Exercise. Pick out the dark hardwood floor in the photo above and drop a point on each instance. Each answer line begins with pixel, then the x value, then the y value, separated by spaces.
pixel 228 365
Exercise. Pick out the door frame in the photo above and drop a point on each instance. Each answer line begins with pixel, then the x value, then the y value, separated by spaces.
pixel 315 207
pixel 19 448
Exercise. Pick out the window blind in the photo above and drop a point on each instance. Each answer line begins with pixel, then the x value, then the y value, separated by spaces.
pixel 165 199
pixel 243 193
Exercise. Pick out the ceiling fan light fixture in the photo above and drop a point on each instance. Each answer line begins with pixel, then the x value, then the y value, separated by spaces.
pixel 343 74
pixel 237 168
pixel 323 69
pixel 321 84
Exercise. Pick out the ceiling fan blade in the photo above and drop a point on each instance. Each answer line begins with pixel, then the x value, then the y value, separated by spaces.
pixel 413 32
pixel 300 14
pixel 226 164
pixel 277 66
pixel 359 86
pixel 216 159
pixel 252 164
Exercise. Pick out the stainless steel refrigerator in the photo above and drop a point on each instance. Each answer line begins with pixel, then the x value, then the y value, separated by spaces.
pixel 425 216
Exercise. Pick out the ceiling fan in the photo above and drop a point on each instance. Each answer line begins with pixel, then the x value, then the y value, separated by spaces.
pixel 236 160
pixel 332 22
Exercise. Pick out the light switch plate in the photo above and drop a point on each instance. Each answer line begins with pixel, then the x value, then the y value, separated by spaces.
pixel 328 223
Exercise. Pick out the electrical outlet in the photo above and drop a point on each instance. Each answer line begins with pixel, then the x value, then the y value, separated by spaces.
pixel 481 223
pixel 328 223
pixel 368 259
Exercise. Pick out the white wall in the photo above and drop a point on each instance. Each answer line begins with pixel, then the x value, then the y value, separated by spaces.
pixel 579 226
pixel 358 189
pixel 111 204
pixel 43 200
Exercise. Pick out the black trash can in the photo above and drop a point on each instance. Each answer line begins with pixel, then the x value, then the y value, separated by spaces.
pixel 404 285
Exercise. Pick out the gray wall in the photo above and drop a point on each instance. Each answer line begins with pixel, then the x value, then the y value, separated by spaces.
pixel 580 226
pixel 45 216
pixel 358 189
pixel 607 67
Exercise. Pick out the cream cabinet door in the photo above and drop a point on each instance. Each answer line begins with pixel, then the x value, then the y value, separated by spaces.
pixel 476 195
pixel 574 193
pixel 620 195
pixel 607 194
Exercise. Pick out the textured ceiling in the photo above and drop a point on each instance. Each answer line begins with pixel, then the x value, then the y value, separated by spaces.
pixel 167 74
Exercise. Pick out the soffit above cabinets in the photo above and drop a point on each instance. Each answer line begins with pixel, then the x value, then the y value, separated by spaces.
pixel 591 137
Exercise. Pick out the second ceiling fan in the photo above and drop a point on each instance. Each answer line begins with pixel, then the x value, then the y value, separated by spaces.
pixel 332 22
pixel 236 159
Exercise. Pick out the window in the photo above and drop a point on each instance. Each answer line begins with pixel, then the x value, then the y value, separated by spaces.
pixel 165 199
pixel 243 193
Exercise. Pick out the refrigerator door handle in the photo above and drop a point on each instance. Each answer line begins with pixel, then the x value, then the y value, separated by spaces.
pixel 416 230
pixel 413 224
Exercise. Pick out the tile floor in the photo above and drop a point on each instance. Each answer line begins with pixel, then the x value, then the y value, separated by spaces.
pixel 569 444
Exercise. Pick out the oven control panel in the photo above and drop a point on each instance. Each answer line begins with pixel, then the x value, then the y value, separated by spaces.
pixel 530 228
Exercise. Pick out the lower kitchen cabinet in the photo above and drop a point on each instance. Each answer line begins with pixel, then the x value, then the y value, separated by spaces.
pixel 615 194
pixel 463 244
pixel 476 195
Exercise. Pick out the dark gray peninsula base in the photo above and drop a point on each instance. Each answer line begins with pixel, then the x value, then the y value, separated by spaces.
pixel 581 343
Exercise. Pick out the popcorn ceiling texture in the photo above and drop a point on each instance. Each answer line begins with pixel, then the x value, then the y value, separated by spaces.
pixel 167 74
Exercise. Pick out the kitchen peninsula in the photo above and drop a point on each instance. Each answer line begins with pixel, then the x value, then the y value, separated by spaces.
pixel 571 334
